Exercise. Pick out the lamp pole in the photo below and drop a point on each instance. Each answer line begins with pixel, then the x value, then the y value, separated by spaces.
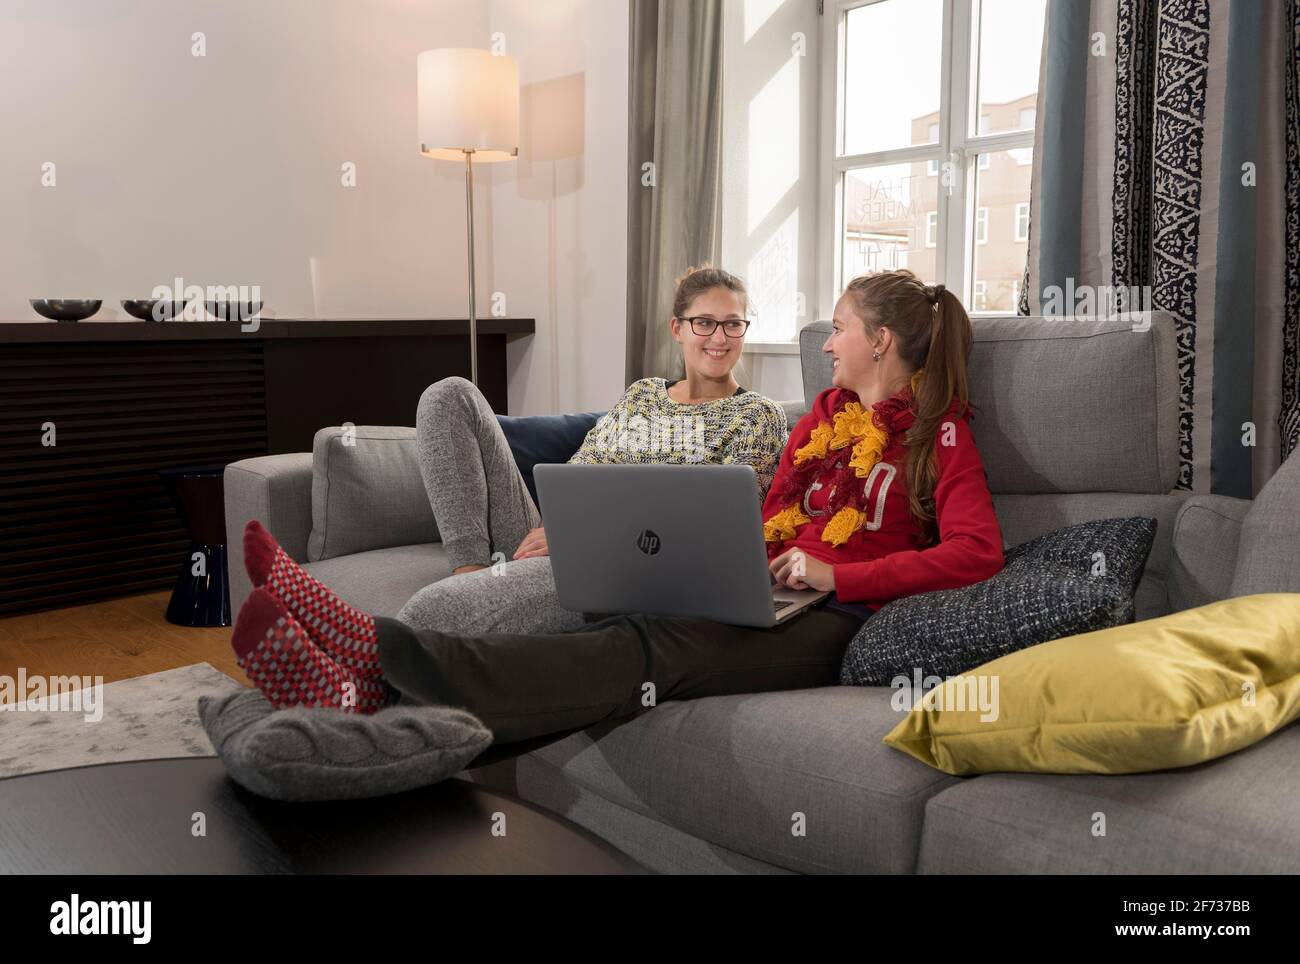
pixel 469 225
pixel 467 104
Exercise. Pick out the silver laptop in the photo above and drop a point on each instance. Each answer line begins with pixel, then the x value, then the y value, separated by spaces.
pixel 668 540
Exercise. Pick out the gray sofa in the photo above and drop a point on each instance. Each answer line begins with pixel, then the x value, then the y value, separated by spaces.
pixel 1076 420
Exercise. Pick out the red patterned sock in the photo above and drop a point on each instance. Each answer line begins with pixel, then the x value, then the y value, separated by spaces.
pixel 280 659
pixel 346 633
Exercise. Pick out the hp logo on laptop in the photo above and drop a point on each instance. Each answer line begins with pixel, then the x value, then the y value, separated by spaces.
pixel 647 542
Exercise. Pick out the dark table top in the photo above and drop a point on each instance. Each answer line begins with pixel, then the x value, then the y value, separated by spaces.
pixel 130 818
pixel 40 330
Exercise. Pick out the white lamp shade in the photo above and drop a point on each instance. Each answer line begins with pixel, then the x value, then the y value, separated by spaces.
pixel 468 100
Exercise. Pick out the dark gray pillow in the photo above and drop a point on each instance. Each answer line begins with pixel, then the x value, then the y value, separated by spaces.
pixel 1049 587
pixel 324 754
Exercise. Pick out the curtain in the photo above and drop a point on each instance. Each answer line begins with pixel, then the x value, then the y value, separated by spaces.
pixel 1167 154
pixel 674 207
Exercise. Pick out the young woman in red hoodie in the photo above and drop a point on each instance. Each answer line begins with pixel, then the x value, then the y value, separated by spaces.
pixel 880 493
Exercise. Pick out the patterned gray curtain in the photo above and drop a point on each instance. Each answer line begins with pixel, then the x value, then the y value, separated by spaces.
pixel 1168 155
pixel 674 207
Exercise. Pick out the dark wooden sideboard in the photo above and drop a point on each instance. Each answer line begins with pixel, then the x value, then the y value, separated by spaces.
pixel 88 518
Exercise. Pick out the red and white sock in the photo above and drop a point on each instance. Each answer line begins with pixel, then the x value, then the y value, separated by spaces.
pixel 346 633
pixel 276 653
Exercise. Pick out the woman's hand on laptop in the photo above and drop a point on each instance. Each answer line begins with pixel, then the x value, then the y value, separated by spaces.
pixel 534 544
pixel 798 570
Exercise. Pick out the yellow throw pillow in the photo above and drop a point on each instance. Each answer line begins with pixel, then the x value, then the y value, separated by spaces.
pixel 1150 695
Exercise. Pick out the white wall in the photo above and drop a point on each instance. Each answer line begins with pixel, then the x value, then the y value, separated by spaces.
pixel 226 168
pixel 770 157
pixel 559 213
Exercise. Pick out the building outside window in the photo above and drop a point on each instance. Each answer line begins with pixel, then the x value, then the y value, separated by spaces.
pixel 929 143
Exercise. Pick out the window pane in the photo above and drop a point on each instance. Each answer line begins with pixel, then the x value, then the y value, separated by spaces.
pixel 887 210
pixel 891 75
pixel 1010 47
pixel 1001 228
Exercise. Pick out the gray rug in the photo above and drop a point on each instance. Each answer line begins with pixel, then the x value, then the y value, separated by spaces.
pixel 146 718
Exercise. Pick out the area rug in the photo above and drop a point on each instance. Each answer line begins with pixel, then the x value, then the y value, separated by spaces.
pixel 147 718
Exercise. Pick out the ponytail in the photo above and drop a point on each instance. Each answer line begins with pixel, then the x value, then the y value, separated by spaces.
pixel 945 378
pixel 933 334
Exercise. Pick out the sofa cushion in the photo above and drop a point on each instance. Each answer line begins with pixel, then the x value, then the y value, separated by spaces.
pixel 1041 421
pixel 544 440
pixel 1234 815
pixel 382 580
pixel 1048 588
pixel 1164 693
pixel 367 492
pixel 737 771
pixel 1025 517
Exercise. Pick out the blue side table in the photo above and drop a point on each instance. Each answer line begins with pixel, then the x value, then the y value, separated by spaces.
pixel 202 593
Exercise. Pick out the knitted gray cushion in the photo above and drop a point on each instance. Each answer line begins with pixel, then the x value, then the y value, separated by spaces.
pixel 324 754
pixel 1053 586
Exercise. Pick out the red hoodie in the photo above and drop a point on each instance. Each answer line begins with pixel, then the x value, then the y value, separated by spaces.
pixel 881 563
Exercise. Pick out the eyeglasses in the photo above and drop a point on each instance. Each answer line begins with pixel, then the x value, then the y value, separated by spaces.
pixel 732 327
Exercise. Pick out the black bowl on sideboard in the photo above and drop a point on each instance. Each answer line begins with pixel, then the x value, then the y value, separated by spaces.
pixel 233 310
pixel 154 309
pixel 65 309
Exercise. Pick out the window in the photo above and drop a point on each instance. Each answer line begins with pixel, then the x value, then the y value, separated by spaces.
pixel 890 199
pixel 1022 221
pixel 932 166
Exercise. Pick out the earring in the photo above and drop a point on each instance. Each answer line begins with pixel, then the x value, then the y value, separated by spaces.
pixel 875 355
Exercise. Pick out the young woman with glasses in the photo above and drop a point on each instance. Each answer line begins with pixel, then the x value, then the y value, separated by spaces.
pixel 880 493
pixel 489 525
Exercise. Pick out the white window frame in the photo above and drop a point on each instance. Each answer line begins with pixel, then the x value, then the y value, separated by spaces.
pixel 957 105
pixel 1022 211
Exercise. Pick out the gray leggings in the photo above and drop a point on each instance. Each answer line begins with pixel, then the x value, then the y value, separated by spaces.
pixel 482 508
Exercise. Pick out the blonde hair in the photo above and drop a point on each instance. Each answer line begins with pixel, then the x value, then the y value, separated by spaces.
pixel 932 331
pixel 704 278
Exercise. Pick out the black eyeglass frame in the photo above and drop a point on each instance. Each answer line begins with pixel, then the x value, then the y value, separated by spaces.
pixel 715 322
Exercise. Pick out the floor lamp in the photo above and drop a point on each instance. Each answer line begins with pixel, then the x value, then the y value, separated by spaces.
pixel 468 110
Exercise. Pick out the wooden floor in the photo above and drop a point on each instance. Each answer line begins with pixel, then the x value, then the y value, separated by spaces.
pixel 117 640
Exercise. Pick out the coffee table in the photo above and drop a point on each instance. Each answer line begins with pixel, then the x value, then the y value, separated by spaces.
pixel 138 818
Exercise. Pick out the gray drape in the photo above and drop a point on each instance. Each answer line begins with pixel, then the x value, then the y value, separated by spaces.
pixel 1170 158
pixel 674 207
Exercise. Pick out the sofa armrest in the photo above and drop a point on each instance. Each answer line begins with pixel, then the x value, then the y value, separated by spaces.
pixel 275 490
pixel 1269 557
pixel 1207 533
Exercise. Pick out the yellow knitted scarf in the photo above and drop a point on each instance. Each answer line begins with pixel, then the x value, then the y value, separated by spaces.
pixel 851 425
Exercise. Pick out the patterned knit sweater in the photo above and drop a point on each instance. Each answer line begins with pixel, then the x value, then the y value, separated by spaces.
pixel 647 426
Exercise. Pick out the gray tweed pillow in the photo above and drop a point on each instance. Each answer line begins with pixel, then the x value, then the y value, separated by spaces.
pixel 1073 580
pixel 323 754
